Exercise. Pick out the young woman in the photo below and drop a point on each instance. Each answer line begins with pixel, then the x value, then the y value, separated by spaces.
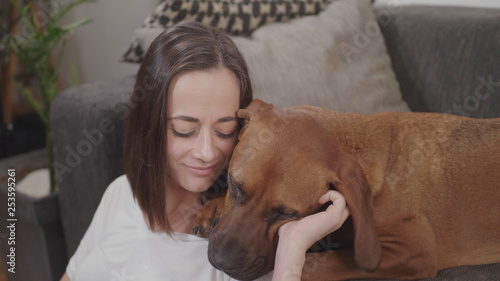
pixel 179 137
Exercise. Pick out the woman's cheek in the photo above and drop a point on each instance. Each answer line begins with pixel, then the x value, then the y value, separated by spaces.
pixel 230 147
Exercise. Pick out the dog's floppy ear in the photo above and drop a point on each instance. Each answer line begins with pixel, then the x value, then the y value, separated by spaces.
pixel 254 107
pixel 349 179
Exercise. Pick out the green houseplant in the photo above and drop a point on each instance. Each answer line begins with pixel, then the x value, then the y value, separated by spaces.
pixel 38 47
pixel 34 40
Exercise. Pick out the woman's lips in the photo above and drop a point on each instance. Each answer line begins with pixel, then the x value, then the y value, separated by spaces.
pixel 201 171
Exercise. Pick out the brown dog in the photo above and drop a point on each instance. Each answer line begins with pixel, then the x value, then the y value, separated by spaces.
pixel 423 191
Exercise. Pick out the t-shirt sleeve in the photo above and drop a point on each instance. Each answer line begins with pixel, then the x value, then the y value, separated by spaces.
pixel 95 231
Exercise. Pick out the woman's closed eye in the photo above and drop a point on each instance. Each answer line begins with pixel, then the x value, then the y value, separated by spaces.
pixel 182 134
pixel 227 135
pixel 188 134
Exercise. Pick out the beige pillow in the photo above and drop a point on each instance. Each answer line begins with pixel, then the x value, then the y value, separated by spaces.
pixel 336 60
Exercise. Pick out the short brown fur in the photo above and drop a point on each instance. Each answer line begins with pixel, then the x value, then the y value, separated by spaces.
pixel 423 190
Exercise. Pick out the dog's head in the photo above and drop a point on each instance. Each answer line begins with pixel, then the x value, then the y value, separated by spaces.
pixel 284 161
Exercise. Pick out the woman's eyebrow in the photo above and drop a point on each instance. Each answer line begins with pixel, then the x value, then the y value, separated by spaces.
pixel 185 118
pixel 226 119
pixel 192 119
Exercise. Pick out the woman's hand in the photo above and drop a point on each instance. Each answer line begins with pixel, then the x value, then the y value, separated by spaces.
pixel 296 237
pixel 308 230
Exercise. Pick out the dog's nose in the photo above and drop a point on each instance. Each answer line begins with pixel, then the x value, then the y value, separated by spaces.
pixel 224 261
pixel 237 267
pixel 223 254
pixel 228 255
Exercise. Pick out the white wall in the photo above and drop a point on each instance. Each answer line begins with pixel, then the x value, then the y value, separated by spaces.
pixel 96 48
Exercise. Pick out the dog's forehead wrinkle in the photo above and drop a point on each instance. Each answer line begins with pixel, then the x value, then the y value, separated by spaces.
pixel 292 193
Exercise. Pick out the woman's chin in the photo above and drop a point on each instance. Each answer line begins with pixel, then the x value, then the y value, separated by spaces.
pixel 199 185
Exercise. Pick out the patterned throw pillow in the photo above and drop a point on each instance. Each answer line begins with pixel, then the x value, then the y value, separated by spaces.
pixel 237 17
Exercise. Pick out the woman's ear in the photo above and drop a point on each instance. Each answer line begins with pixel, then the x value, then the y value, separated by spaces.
pixel 349 179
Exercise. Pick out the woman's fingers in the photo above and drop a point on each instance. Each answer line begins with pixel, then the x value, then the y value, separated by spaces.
pixel 299 235
pixel 335 197
pixel 335 208
pixel 313 227
pixel 338 212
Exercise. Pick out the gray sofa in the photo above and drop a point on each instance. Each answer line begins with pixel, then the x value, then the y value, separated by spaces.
pixel 445 60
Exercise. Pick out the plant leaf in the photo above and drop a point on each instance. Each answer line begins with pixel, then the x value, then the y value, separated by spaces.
pixel 69 7
pixel 70 27
pixel 74 74
pixel 26 92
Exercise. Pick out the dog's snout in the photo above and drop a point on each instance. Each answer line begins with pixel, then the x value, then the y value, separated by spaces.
pixel 225 258
pixel 223 261
pixel 228 255
pixel 234 267
pixel 223 255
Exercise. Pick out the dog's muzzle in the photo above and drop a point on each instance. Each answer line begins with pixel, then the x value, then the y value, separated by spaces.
pixel 234 260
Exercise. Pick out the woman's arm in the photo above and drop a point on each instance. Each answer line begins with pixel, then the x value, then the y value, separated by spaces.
pixel 65 277
pixel 296 237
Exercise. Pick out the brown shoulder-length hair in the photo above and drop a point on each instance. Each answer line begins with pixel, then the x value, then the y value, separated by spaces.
pixel 182 48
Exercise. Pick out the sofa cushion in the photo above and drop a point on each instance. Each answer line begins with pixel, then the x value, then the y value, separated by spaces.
pixel 445 58
pixel 336 59
pixel 233 16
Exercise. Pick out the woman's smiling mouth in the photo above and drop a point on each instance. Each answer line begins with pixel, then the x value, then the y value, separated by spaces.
pixel 202 171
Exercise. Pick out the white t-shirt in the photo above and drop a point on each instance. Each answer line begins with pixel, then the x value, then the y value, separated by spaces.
pixel 118 245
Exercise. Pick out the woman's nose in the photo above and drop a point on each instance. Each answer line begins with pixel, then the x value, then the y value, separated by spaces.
pixel 205 149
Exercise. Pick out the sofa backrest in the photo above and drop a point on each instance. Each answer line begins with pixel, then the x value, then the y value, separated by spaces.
pixel 446 59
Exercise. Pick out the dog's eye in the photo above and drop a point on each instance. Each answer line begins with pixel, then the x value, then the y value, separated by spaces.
pixel 282 213
pixel 236 191
pixel 289 214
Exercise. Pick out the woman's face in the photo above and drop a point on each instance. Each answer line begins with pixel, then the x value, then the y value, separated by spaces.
pixel 202 126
